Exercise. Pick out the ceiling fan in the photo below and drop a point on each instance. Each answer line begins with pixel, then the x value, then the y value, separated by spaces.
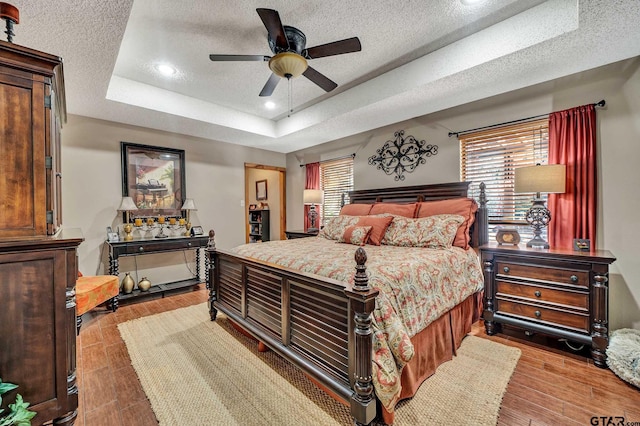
pixel 290 54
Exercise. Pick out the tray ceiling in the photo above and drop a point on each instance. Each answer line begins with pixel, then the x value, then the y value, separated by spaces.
pixel 417 58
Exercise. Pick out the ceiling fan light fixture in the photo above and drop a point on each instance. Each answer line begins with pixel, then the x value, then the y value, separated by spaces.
pixel 288 64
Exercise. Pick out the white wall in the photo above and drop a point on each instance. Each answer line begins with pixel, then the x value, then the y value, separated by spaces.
pixel 618 155
pixel 92 189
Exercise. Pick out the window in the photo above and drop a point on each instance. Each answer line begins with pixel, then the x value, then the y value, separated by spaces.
pixel 336 180
pixel 491 156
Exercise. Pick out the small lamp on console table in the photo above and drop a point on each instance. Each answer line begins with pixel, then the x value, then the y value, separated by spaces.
pixel 549 178
pixel 188 205
pixel 127 205
pixel 312 197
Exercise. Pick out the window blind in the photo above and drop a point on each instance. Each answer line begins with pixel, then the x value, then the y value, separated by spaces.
pixel 336 179
pixel 491 156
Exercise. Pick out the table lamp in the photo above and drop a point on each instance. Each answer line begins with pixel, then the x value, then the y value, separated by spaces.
pixel 312 197
pixel 127 205
pixel 188 205
pixel 549 178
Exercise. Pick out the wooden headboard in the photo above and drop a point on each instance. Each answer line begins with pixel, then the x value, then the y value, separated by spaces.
pixel 439 191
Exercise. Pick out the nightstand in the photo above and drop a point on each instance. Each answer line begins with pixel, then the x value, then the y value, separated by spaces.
pixel 557 292
pixel 300 234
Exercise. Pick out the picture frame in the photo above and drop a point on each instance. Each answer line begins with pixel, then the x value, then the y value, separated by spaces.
pixel 261 190
pixel 581 244
pixel 253 206
pixel 154 177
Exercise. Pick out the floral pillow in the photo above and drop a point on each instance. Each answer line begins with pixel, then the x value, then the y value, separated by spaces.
pixel 436 231
pixel 357 235
pixel 335 226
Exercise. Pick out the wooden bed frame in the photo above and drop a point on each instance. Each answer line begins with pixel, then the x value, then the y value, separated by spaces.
pixel 321 325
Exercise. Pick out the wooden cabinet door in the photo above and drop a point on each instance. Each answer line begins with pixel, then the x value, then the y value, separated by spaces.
pixel 33 329
pixel 22 143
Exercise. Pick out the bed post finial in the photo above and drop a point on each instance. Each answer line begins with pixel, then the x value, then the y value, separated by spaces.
pixel 362 301
pixel 361 280
pixel 482 198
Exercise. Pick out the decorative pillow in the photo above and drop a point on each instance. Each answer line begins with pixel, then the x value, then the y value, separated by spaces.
pixel 436 231
pixel 379 225
pixel 465 207
pixel 356 209
pixel 357 235
pixel 335 226
pixel 406 210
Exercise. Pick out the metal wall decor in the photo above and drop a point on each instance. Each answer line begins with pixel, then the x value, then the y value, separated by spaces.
pixel 402 155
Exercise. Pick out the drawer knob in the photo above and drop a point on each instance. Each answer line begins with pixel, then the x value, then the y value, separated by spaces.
pixel 506 269
pixel 189 244
pixel 537 293
pixel 537 314
pixel 574 278
pixel 140 248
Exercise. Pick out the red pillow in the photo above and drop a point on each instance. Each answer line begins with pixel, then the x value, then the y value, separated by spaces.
pixel 406 210
pixel 357 235
pixel 355 209
pixel 379 225
pixel 465 207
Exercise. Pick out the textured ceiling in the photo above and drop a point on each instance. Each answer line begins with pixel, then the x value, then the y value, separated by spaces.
pixel 417 57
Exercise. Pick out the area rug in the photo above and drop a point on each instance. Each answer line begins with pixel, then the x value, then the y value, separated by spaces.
pixel 198 372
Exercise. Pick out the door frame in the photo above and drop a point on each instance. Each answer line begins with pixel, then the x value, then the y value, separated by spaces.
pixel 282 179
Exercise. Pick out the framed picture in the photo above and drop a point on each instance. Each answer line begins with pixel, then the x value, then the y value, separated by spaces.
pixel 253 206
pixel 154 177
pixel 261 190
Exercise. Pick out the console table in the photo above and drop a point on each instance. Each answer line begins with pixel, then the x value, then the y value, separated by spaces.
pixel 138 247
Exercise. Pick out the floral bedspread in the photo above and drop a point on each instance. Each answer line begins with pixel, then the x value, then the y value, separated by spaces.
pixel 417 285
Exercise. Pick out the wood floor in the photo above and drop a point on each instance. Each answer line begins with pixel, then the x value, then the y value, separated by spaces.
pixel 549 387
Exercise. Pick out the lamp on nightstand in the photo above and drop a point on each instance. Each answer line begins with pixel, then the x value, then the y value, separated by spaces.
pixel 549 178
pixel 312 197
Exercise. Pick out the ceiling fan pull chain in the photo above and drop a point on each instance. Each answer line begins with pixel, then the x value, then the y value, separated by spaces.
pixel 290 97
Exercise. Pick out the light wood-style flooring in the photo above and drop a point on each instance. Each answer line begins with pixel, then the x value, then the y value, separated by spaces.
pixel 549 387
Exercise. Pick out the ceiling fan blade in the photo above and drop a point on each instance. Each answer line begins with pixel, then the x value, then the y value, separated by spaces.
pixel 270 85
pixel 348 45
pixel 217 58
pixel 271 20
pixel 320 79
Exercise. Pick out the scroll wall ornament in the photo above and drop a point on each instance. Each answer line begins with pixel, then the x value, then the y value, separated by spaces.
pixel 402 155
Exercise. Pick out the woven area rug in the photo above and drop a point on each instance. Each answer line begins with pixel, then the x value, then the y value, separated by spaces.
pixel 198 372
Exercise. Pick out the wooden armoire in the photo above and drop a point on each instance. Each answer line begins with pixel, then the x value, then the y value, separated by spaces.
pixel 38 259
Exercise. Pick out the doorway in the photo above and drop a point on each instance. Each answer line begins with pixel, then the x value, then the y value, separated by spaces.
pixel 268 184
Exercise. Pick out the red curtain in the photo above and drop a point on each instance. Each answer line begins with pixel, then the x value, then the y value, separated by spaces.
pixel 572 141
pixel 312 182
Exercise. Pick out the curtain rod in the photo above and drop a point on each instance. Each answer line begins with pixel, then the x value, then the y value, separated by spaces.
pixel 332 159
pixel 522 120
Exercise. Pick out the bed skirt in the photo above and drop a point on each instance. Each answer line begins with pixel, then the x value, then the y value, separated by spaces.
pixel 437 344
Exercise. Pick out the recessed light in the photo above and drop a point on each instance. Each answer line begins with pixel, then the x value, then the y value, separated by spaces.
pixel 269 105
pixel 470 2
pixel 166 70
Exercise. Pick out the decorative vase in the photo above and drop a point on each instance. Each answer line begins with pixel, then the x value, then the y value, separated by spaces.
pixel 144 284
pixel 127 284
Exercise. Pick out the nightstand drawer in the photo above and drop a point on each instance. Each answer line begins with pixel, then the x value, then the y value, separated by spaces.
pixel 563 276
pixel 533 312
pixel 575 299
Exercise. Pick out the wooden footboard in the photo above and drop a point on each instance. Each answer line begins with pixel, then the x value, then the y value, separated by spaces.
pixel 322 326
pixel 314 322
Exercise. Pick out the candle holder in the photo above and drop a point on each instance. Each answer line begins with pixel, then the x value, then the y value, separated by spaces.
pixel 174 224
